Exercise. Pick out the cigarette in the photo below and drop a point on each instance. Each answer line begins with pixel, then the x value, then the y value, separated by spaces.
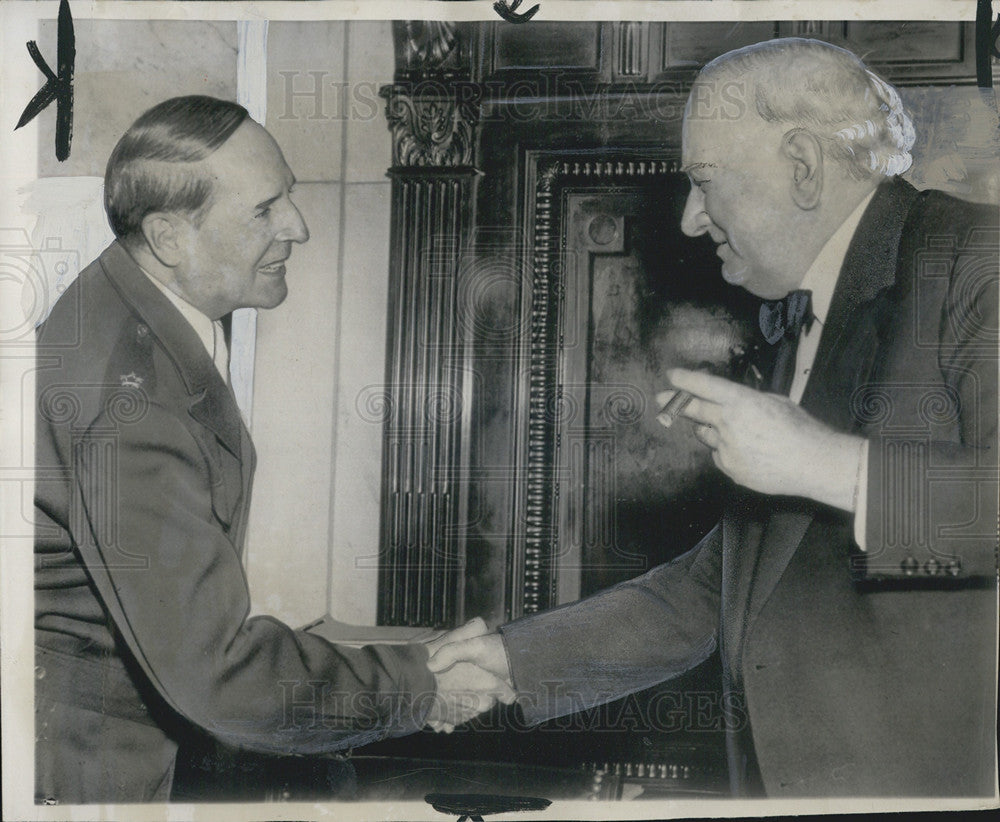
pixel 672 410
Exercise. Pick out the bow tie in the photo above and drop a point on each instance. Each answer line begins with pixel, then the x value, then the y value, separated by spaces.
pixel 786 317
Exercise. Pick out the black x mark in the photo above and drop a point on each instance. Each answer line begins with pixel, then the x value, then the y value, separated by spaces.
pixel 58 85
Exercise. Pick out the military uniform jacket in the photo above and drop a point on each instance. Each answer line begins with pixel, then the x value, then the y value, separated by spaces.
pixel 144 472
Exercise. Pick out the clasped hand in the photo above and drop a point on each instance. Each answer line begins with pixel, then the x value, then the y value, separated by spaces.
pixel 765 442
pixel 470 668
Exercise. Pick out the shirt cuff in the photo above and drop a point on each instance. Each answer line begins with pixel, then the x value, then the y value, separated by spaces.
pixel 861 497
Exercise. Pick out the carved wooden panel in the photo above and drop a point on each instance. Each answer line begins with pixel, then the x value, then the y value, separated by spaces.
pixel 691 45
pixel 912 52
pixel 542 45
pixel 431 49
pixel 904 52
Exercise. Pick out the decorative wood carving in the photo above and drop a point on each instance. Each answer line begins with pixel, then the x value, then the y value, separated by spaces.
pixel 631 49
pixel 427 48
pixel 429 131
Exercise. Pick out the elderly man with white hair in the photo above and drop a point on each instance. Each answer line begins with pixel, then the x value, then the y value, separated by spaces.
pixel 851 584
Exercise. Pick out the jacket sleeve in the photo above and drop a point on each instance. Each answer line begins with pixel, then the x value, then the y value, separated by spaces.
pixel 174 586
pixel 933 486
pixel 620 640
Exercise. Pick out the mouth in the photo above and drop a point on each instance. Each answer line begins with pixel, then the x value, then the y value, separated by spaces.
pixel 275 269
pixel 724 253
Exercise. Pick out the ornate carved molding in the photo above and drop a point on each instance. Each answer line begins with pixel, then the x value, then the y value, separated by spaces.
pixel 631 49
pixel 427 48
pixel 534 586
pixel 429 131
pixel 625 168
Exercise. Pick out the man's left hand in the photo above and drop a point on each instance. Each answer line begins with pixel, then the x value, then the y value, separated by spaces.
pixel 765 442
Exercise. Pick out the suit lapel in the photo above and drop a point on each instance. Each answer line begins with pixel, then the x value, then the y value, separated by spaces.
pixel 742 529
pixel 844 361
pixel 249 465
pixel 212 403
pixel 781 538
pixel 849 344
pixel 216 409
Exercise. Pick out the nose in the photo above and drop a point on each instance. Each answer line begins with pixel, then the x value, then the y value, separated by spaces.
pixel 295 229
pixel 695 220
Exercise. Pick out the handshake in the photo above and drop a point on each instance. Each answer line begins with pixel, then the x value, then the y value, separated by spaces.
pixel 471 672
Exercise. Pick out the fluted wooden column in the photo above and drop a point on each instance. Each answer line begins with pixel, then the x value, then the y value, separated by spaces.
pixel 433 179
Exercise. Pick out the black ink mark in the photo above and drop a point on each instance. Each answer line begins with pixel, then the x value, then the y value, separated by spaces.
pixel 472 806
pixel 508 12
pixel 58 86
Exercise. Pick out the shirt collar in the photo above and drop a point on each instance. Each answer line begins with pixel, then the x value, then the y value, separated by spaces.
pixel 201 323
pixel 821 278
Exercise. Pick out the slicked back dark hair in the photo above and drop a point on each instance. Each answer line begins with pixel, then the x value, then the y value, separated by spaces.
pixel 155 167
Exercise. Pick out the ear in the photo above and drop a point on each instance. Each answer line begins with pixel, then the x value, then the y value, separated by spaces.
pixel 166 235
pixel 804 151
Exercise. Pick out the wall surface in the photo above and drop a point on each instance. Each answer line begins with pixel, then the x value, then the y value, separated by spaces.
pixel 119 77
pixel 314 524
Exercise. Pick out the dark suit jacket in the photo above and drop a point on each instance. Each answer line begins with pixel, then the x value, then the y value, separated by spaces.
pixel 862 674
pixel 144 472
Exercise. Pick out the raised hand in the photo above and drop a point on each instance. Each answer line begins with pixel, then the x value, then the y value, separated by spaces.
pixel 767 443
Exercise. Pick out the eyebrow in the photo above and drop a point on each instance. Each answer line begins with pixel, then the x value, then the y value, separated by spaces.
pixel 276 197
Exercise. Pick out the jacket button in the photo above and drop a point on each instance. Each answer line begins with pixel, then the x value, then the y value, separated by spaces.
pixel 932 567
pixel 954 567
pixel 910 566
pixel 142 331
pixel 39 672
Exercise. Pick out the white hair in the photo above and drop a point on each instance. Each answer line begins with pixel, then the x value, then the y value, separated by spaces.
pixel 829 91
